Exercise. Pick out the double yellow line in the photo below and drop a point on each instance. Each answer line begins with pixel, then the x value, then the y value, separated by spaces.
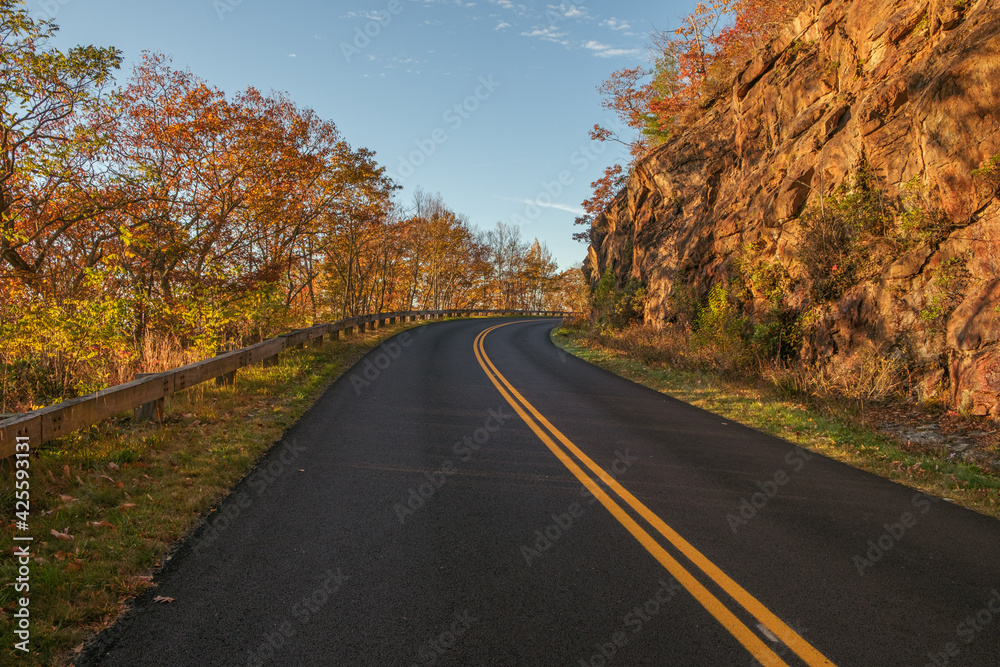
pixel 546 432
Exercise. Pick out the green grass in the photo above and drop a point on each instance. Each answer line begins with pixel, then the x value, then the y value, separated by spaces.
pixel 128 492
pixel 834 433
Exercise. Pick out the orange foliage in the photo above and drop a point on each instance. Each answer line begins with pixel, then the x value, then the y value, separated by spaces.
pixel 710 43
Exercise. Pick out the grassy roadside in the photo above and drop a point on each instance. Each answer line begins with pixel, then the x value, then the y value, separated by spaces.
pixel 834 433
pixel 109 503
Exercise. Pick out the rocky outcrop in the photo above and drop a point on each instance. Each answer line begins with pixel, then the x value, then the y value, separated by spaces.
pixel 907 91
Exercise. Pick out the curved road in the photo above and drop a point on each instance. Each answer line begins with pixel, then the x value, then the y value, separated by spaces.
pixel 470 495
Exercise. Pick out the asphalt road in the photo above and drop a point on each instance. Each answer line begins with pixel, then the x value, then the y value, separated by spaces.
pixel 415 517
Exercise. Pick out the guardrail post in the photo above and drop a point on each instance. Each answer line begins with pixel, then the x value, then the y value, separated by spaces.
pixel 148 411
pixel 229 379
pixel 317 341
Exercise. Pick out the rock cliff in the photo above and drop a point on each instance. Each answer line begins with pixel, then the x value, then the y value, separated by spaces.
pixel 849 168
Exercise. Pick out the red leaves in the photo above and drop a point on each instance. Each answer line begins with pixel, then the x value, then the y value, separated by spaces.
pixel 711 40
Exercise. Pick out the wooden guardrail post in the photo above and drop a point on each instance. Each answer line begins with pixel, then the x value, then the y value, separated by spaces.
pixel 228 379
pixel 149 411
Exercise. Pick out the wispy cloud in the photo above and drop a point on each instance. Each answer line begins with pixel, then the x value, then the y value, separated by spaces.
pixel 606 51
pixel 615 24
pixel 567 11
pixel 575 210
pixel 549 34
pixel 510 6
pixel 502 25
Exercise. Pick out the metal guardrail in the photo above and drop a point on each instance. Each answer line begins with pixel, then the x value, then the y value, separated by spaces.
pixel 55 421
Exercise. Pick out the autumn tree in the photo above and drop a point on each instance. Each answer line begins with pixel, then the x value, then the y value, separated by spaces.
pixel 540 279
pixel 44 176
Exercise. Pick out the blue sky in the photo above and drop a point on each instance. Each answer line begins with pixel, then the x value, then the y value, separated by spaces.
pixel 486 101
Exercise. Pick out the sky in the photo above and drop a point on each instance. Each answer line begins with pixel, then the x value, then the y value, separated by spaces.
pixel 487 102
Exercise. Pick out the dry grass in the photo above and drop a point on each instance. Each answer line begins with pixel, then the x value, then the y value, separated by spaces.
pixel 866 376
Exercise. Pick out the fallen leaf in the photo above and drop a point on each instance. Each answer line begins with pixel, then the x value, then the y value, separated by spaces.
pixel 162 598
pixel 66 499
pixel 106 524
pixel 75 566
pixel 113 465
pixel 127 506
pixel 63 535
pixel 66 471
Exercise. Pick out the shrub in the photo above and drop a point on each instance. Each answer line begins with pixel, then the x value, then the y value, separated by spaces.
pixel 618 306
pixel 847 238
